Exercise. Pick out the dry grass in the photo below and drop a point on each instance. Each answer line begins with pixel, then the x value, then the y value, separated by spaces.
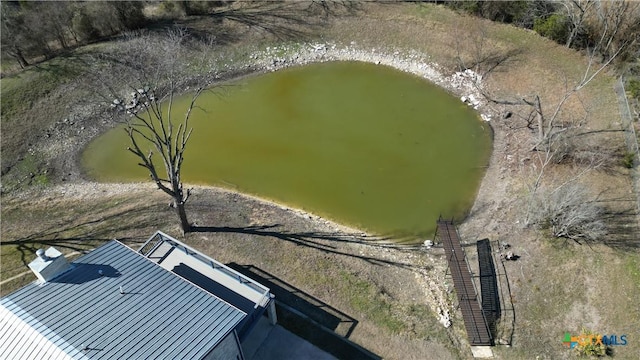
pixel 72 225
pixel 376 289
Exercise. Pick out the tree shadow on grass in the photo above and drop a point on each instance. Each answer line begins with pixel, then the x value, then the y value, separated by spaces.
pixel 279 21
pixel 496 61
pixel 283 20
pixel 317 240
pixel 66 65
pixel 76 236
pixel 286 20
pixel 623 229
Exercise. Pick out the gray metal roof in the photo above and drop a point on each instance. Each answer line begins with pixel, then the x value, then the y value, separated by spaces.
pixel 83 315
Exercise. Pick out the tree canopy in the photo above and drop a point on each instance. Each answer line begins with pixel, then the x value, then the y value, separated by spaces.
pixel 27 34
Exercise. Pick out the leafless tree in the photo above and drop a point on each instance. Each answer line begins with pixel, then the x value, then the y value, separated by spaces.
pixel 616 31
pixel 474 49
pixel 613 23
pixel 616 23
pixel 152 128
pixel 14 41
pixel 540 191
pixel 546 121
pixel 561 205
pixel 576 12
pixel 157 138
pixel 471 47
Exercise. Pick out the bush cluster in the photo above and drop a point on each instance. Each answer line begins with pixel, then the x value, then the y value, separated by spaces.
pixel 27 34
pixel 579 25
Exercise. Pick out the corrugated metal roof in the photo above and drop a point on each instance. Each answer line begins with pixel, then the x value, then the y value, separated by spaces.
pixel 81 314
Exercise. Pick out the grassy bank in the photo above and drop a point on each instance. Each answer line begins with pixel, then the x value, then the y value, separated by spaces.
pixel 372 289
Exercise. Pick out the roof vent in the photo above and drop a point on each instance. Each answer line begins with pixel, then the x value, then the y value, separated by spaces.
pixel 42 255
pixel 48 264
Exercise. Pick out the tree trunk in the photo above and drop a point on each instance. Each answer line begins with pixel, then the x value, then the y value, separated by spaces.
pixel 74 35
pixel 62 41
pixel 540 120
pixel 21 60
pixel 184 223
pixel 187 8
pixel 572 35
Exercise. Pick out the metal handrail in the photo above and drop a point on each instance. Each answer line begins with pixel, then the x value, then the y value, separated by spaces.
pixel 216 265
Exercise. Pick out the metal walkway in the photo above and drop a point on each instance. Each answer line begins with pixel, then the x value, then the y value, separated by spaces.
pixel 474 320
pixel 489 291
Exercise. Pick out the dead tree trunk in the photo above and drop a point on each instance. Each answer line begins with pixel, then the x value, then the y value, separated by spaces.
pixel 157 138
pixel 158 131
pixel 182 214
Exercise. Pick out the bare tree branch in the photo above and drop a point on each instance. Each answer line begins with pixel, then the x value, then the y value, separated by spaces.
pixel 156 136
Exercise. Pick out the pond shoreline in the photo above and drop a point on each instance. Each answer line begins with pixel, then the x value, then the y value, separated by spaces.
pixel 465 85
pixel 462 84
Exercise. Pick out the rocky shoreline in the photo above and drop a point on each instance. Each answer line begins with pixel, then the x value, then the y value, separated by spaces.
pixel 71 142
pixel 463 84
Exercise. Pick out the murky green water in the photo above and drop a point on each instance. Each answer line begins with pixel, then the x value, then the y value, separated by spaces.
pixel 361 144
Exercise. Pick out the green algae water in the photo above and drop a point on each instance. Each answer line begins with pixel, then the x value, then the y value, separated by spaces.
pixel 361 144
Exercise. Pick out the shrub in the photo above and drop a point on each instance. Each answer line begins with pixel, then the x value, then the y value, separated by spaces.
pixel 633 87
pixel 627 160
pixel 567 212
pixel 590 346
pixel 554 27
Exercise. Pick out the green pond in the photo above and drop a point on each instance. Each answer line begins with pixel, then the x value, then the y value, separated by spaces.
pixel 362 144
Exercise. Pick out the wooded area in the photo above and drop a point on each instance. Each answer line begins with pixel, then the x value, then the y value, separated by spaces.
pixel 577 24
pixel 27 35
